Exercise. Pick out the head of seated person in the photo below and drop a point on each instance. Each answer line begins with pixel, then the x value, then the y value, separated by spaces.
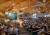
pixel 26 24
pixel 29 26
pixel 34 28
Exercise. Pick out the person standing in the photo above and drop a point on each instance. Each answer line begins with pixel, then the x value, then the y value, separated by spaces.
pixel 16 30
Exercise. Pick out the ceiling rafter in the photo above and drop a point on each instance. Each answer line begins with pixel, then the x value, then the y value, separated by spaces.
pixel 22 4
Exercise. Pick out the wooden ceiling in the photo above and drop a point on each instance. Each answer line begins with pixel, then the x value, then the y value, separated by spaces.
pixel 18 3
pixel 3 1
pixel 24 5
pixel 42 0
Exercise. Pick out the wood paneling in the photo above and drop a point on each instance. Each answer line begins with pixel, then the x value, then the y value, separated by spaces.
pixel 3 1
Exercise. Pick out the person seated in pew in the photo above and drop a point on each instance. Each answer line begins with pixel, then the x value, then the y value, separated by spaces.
pixel 38 27
pixel 48 33
pixel 44 30
pixel 26 25
pixel 34 31
pixel 29 28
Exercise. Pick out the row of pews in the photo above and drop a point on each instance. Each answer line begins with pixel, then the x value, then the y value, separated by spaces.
pixel 38 27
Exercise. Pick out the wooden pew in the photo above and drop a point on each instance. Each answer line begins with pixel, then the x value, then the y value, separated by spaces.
pixel 12 34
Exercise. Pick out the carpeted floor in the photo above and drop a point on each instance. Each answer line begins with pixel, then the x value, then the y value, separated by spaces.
pixel 23 31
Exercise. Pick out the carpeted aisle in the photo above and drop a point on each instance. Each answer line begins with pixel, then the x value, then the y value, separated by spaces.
pixel 23 31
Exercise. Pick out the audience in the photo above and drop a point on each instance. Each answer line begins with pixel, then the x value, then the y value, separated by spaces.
pixel 9 28
pixel 35 26
pixel 39 26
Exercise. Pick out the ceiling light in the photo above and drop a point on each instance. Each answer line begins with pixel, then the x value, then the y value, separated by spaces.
pixel 44 1
pixel 6 13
